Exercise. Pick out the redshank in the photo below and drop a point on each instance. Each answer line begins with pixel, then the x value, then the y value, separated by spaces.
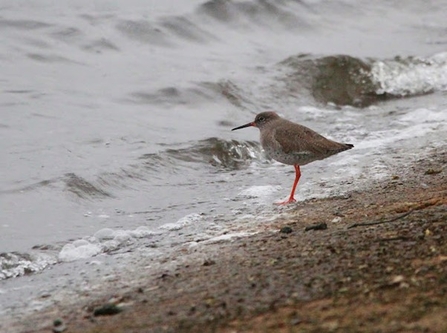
pixel 292 143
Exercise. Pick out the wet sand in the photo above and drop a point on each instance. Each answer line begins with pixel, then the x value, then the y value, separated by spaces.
pixel 338 276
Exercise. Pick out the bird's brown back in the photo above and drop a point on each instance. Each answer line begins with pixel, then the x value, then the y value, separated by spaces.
pixel 292 143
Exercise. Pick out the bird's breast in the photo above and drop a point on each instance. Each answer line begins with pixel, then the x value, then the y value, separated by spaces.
pixel 292 158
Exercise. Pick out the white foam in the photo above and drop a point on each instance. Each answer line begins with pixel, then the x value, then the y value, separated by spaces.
pixel 104 234
pixel 14 264
pixel 184 221
pixel 411 76
pixel 423 115
pixel 260 191
pixel 142 232
pixel 312 112
pixel 102 241
pixel 80 249
pixel 122 236
pixel 228 237
pixel 386 138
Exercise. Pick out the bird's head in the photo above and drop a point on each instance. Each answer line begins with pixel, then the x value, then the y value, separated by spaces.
pixel 261 120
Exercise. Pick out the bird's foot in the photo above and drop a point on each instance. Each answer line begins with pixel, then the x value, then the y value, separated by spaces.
pixel 288 201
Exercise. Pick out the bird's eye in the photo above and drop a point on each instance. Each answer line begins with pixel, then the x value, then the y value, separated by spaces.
pixel 261 118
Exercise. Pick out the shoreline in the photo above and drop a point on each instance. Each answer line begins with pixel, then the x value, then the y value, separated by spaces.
pixel 389 276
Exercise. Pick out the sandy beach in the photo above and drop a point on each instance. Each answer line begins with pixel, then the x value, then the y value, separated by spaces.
pixel 370 261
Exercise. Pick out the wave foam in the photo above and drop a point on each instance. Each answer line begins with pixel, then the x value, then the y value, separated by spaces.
pixel 411 76
pixel 183 222
pixel 102 241
pixel 16 264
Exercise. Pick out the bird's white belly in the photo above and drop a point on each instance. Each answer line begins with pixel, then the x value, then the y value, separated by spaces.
pixel 294 158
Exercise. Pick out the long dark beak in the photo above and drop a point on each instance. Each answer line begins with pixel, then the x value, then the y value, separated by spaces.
pixel 243 126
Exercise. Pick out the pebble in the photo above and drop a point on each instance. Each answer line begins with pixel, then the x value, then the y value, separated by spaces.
pixel 107 309
pixel 318 226
pixel 208 262
pixel 286 230
pixel 58 326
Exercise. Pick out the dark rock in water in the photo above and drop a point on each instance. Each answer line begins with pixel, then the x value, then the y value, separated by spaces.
pixel 286 230
pixel 107 310
pixel 318 226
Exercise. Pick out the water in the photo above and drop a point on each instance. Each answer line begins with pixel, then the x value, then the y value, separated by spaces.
pixel 116 117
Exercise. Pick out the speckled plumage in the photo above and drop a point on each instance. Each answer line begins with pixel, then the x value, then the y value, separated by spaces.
pixel 292 143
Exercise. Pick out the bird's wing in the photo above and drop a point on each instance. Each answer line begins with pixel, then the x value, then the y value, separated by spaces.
pixel 303 140
pixel 298 138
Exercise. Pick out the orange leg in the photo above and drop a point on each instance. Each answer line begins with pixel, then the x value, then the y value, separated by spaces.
pixel 295 183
